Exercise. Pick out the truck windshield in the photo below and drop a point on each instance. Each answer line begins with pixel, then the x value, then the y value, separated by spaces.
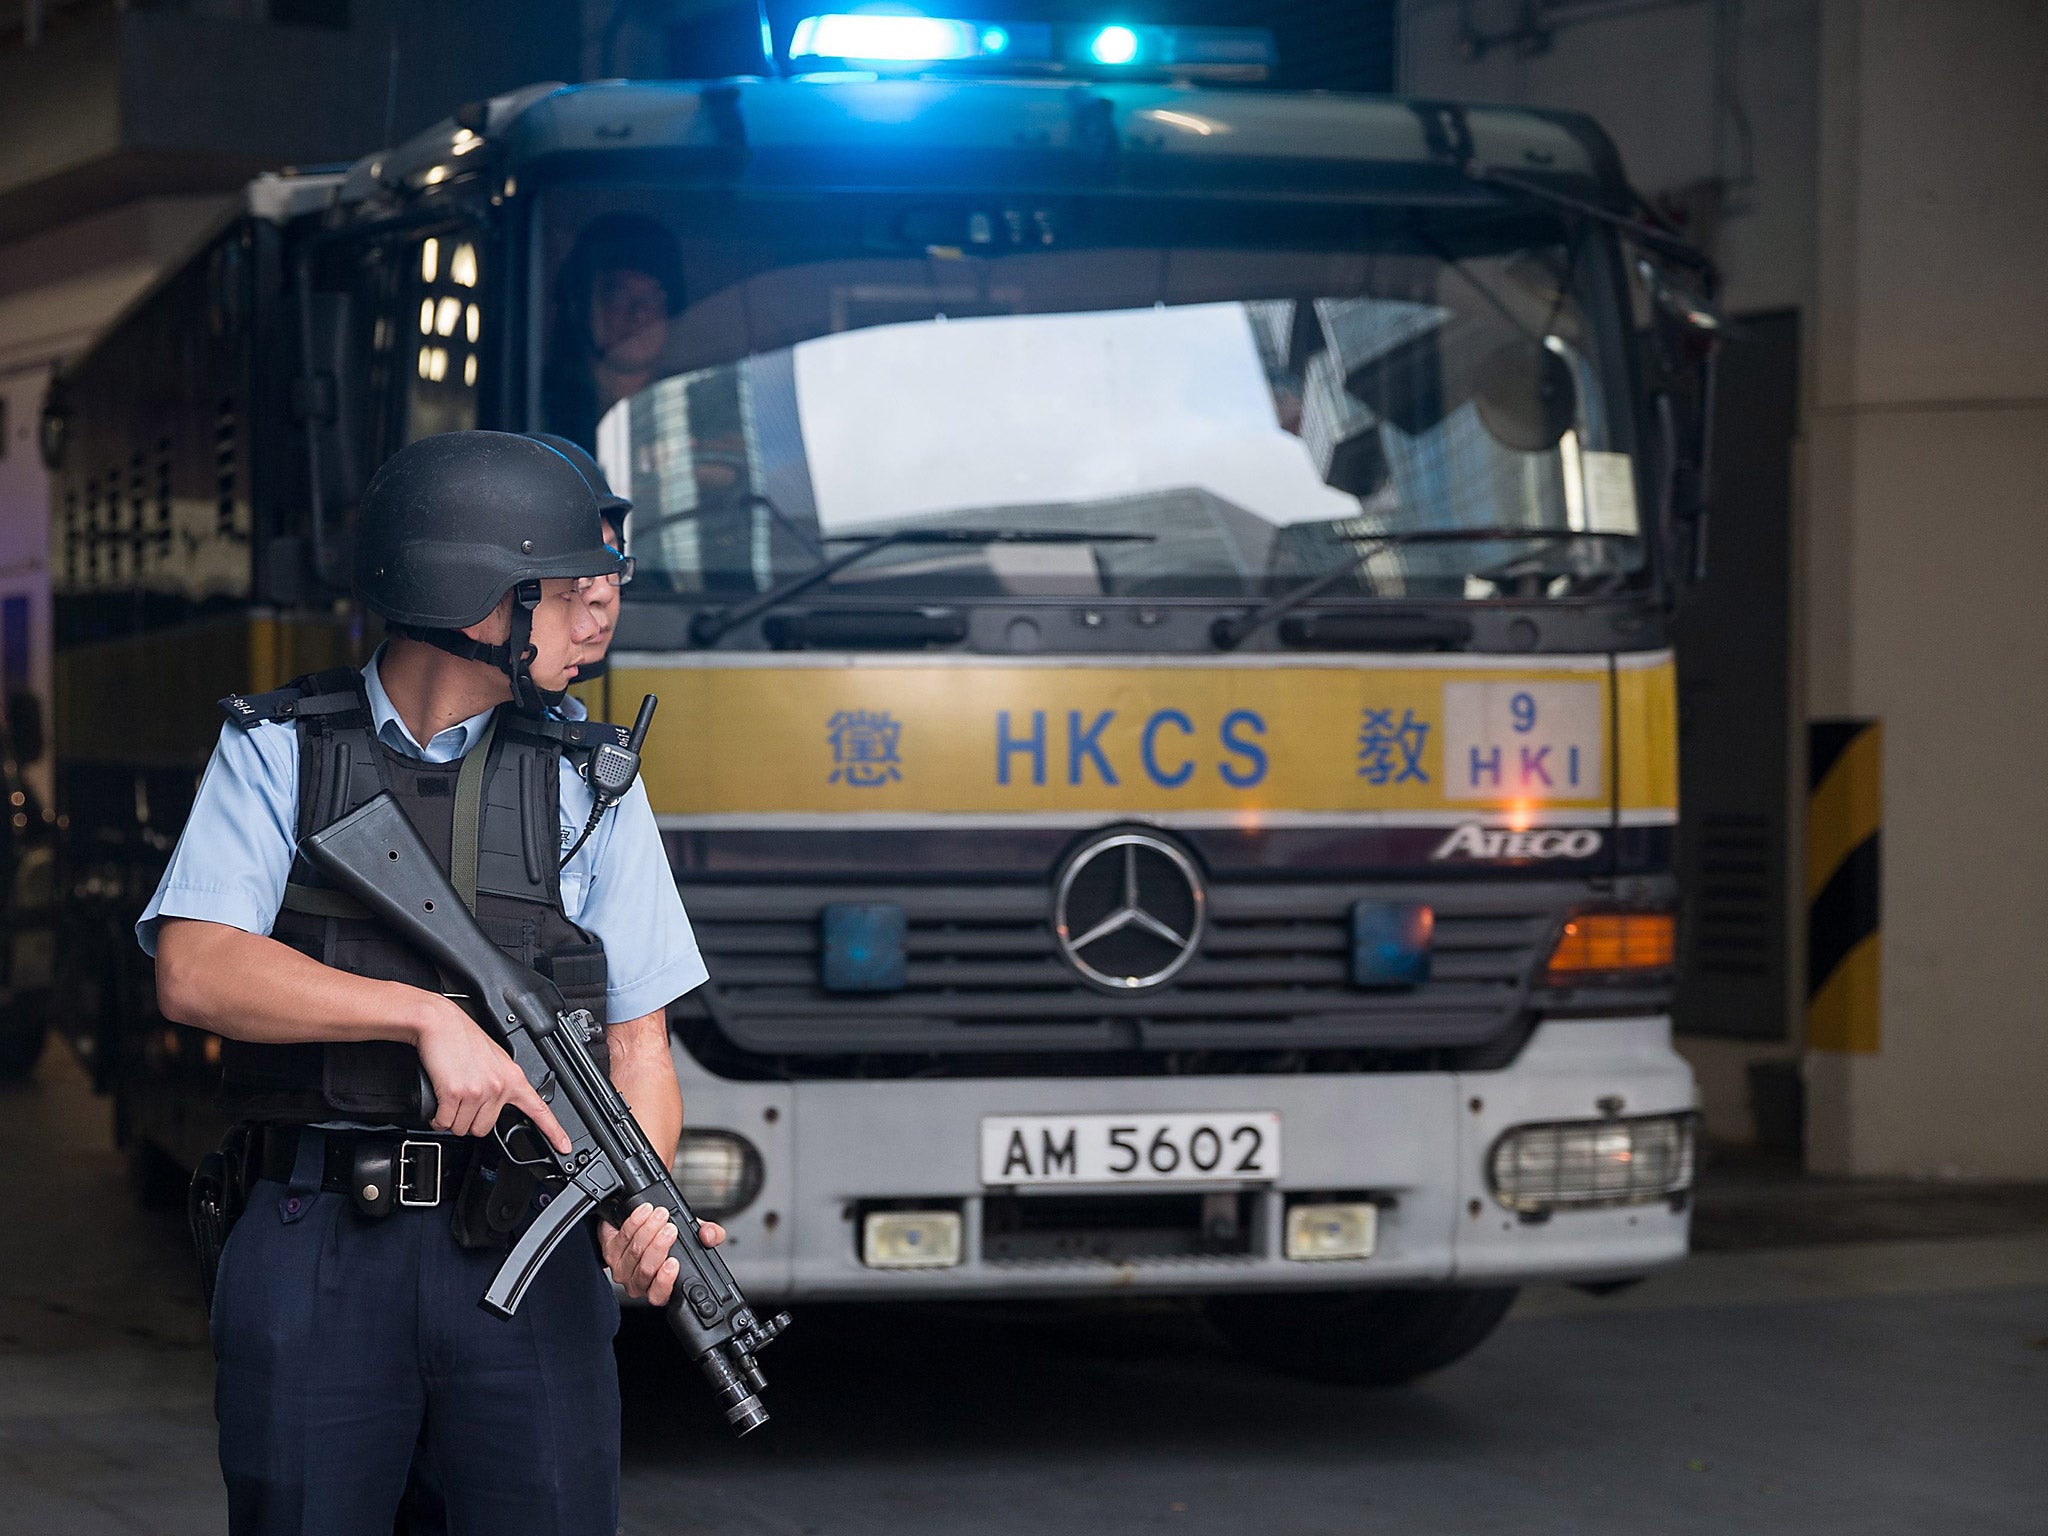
pixel 1260 415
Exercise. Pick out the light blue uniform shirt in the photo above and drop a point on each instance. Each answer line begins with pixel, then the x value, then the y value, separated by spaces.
pixel 231 863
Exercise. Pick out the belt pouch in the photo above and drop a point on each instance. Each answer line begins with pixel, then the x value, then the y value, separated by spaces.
pixel 489 1202
pixel 219 1192
pixel 373 1175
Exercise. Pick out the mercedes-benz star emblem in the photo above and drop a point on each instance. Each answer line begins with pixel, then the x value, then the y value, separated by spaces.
pixel 1128 911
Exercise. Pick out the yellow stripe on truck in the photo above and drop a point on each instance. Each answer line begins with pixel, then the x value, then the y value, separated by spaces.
pixel 1646 693
pixel 744 734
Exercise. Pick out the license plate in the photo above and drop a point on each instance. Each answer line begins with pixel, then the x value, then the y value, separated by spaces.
pixel 1217 1147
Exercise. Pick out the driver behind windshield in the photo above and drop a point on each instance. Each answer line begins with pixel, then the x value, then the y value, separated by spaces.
pixel 613 299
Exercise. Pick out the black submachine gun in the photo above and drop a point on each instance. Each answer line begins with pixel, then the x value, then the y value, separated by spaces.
pixel 375 856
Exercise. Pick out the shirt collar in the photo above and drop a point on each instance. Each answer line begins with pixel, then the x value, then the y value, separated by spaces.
pixel 446 746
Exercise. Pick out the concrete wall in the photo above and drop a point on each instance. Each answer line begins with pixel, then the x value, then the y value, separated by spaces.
pixel 1924 552
pixel 1886 170
pixel 1691 92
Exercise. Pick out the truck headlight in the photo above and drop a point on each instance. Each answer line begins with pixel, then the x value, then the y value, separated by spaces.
pixel 1331 1230
pixel 910 1239
pixel 718 1172
pixel 1578 1164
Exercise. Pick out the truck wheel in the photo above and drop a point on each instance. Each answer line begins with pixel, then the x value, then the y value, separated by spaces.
pixel 1360 1338
pixel 21 1047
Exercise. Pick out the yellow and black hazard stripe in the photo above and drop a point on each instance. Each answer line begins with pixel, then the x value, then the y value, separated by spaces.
pixel 1844 822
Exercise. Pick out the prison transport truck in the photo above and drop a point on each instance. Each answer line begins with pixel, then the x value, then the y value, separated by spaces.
pixel 1158 593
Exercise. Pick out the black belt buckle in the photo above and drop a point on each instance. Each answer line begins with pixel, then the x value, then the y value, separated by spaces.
pixel 419 1173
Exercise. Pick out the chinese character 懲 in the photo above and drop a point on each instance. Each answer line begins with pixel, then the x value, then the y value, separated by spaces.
pixel 1390 751
pixel 864 747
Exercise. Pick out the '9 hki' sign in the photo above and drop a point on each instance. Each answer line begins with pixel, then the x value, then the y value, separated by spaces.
pixel 1534 741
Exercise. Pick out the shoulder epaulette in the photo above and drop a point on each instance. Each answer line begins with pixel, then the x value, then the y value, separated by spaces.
pixel 322 693
pixel 249 710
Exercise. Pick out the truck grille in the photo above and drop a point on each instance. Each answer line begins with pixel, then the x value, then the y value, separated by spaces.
pixel 984 975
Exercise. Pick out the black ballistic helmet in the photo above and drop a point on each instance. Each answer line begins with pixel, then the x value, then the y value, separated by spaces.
pixel 609 502
pixel 452 523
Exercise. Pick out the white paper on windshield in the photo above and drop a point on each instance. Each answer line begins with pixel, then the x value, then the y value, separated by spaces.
pixel 905 421
pixel 1610 486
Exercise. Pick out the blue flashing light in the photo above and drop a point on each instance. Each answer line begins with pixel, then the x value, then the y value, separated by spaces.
pixel 1390 943
pixel 901 42
pixel 1114 45
pixel 885 39
pixel 862 947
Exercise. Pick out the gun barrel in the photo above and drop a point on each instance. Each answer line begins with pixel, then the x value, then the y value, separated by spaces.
pixel 743 1410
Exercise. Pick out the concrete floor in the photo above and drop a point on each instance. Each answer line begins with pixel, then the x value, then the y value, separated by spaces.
pixel 1855 1385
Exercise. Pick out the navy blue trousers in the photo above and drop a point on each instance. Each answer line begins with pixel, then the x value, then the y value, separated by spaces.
pixel 347 1344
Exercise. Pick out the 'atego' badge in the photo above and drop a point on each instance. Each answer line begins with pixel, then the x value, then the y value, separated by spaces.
pixel 1472 841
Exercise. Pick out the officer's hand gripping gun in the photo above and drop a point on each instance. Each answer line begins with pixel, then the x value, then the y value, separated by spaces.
pixel 375 856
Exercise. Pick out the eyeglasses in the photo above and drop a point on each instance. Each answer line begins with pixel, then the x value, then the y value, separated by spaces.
pixel 617 578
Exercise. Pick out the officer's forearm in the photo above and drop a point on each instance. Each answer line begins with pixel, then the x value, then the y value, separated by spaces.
pixel 247 987
pixel 646 1078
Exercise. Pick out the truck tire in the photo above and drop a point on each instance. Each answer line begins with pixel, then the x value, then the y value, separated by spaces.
pixel 21 1046
pixel 1360 1338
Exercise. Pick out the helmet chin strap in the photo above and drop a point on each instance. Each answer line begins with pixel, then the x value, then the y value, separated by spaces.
pixel 514 658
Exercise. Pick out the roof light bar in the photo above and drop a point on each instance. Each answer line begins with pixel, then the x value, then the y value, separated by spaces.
pixel 886 39
pixel 901 43
pixel 1114 45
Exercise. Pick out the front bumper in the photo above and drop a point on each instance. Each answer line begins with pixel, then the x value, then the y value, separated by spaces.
pixel 1417 1141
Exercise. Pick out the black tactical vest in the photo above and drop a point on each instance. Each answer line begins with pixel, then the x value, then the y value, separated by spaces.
pixel 492 821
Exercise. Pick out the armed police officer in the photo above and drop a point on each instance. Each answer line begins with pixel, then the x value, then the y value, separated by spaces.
pixel 422 1511
pixel 613 509
pixel 345 1316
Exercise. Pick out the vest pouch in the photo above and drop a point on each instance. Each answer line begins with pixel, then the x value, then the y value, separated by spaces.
pixel 271 1082
pixel 372 1079
pixel 580 975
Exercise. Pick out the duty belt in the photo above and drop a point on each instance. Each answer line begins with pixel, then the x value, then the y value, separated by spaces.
pixel 378 1170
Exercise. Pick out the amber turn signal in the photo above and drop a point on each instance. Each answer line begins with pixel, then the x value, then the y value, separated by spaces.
pixel 1597 942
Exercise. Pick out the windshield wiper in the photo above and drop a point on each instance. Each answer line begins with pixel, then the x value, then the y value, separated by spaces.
pixel 1228 633
pixel 707 627
pixel 751 499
